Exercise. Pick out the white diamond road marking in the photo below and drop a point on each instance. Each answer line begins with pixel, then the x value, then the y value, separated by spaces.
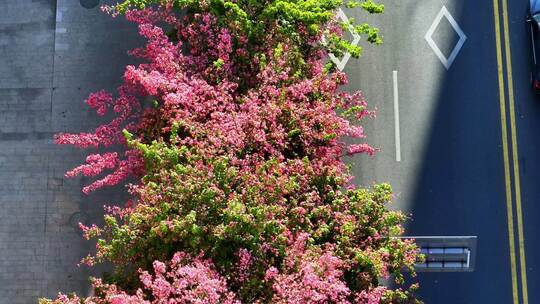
pixel 447 62
pixel 356 38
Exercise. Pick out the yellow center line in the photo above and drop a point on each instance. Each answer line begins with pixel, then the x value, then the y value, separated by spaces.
pixel 504 134
pixel 510 85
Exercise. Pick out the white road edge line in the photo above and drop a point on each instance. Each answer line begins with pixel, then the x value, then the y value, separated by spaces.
pixel 396 117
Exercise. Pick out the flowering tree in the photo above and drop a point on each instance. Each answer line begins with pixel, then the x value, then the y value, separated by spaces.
pixel 236 128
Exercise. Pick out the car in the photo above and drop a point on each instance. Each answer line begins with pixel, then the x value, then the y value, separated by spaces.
pixel 533 19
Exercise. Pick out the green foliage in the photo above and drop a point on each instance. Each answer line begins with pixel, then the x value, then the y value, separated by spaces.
pixel 243 167
pixel 282 19
pixel 206 205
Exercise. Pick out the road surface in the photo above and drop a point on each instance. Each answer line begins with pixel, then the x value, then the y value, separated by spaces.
pixel 463 155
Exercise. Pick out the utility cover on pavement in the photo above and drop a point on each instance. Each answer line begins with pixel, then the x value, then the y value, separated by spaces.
pixel 446 253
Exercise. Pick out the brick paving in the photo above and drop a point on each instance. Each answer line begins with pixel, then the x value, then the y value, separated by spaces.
pixel 53 54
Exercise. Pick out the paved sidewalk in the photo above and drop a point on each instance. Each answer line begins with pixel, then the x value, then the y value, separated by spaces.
pixel 54 53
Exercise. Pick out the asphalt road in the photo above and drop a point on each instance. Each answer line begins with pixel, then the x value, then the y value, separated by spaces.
pixel 451 171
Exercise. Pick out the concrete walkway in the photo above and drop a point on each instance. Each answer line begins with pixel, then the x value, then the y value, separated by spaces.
pixel 54 53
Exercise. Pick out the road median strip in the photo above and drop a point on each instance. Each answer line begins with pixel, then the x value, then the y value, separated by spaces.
pixel 515 164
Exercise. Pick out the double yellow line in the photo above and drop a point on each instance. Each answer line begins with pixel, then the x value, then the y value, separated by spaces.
pixel 504 132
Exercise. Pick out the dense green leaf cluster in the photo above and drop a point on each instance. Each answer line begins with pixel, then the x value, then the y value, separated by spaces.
pixel 210 206
pixel 241 162
pixel 299 23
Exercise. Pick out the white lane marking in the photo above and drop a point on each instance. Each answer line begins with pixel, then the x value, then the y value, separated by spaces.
pixel 447 62
pixel 533 46
pixel 396 117
pixel 341 63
